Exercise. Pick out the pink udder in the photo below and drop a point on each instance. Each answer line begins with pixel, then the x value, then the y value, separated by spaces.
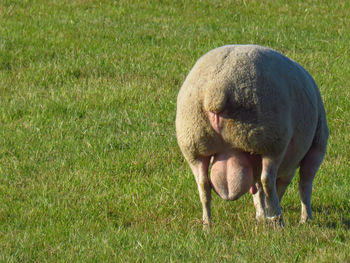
pixel 232 174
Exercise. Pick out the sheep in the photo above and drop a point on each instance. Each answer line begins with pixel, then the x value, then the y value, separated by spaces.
pixel 254 116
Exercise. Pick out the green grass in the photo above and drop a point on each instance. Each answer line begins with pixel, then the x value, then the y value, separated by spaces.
pixel 90 170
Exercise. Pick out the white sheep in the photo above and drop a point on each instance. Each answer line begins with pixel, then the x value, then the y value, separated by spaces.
pixel 258 116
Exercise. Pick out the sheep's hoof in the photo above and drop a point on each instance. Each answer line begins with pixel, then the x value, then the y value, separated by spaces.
pixel 206 228
pixel 275 221
pixel 260 218
pixel 207 225
pixel 305 220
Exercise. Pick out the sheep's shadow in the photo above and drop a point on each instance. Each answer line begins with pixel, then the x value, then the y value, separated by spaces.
pixel 332 216
pixel 343 212
pixel 322 215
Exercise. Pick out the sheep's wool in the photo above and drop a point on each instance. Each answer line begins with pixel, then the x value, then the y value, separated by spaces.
pixel 264 98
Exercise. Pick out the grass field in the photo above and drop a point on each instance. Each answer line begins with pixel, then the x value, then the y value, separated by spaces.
pixel 90 170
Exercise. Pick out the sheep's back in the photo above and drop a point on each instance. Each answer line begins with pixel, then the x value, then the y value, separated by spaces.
pixel 263 96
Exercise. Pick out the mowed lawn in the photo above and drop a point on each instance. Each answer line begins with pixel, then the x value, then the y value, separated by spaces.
pixel 90 170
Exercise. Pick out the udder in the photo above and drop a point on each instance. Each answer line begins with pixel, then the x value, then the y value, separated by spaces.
pixel 231 174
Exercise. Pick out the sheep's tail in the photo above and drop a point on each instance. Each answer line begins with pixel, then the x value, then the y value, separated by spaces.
pixel 214 103
pixel 215 100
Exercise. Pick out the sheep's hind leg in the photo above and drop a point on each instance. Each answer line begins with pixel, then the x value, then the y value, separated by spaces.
pixel 200 171
pixel 308 168
pixel 259 203
pixel 273 210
